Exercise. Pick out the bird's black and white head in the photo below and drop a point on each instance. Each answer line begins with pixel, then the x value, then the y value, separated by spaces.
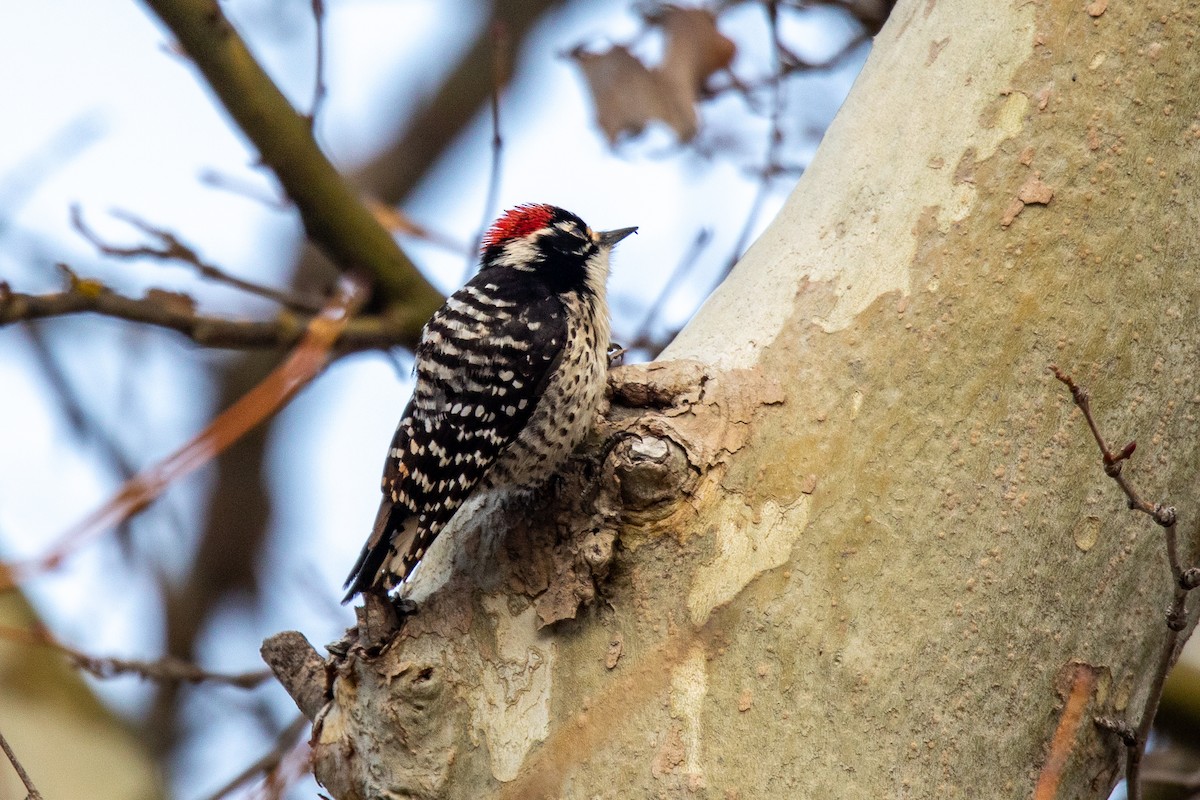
pixel 553 244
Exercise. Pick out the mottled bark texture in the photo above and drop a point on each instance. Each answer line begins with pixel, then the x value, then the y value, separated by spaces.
pixel 848 538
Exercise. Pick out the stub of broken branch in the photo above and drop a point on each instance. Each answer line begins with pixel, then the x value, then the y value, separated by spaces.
pixel 299 668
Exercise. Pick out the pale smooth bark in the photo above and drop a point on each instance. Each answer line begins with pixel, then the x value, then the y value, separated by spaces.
pixel 864 547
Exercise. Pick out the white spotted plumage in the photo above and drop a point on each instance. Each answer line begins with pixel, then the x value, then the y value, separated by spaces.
pixel 509 372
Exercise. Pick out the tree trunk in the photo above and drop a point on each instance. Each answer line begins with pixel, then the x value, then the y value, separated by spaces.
pixel 863 545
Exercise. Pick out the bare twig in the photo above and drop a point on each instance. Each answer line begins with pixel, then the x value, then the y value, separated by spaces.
pixel 790 64
pixel 1180 778
pixel 81 419
pixel 500 68
pixel 1183 581
pixel 76 412
pixel 53 153
pixel 171 248
pixel 397 221
pixel 238 186
pixel 319 89
pixel 166 669
pixel 793 63
pixel 444 114
pixel 177 312
pixel 1113 461
pixel 270 761
pixel 34 794
pixel 641 336
pixel 774 140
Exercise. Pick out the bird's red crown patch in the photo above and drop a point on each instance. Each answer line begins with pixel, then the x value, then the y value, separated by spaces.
pixel 518 222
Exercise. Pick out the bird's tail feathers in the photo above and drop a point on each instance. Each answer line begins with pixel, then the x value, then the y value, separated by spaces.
pixel 369 571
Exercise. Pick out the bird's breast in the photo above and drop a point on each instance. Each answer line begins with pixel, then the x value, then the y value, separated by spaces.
pixel 564 413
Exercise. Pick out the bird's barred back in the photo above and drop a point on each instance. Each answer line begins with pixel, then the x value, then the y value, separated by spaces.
pixel 508 374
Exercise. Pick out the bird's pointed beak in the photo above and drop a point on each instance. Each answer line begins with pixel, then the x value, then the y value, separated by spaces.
pixel 609 238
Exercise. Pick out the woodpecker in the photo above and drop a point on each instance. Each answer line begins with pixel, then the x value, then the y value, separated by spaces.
pixel 509 374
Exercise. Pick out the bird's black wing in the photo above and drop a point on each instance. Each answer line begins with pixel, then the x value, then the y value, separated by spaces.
pixel 482 364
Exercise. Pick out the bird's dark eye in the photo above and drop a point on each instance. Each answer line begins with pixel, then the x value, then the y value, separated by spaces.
pixel 570 239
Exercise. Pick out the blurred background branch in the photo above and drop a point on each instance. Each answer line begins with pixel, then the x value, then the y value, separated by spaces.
pixel 334 218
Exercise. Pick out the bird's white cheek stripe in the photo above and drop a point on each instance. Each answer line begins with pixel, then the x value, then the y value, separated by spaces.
pixel 519 254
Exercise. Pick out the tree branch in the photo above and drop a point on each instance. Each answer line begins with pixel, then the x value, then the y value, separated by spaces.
pixel 177 312
pixel 34 794
pixel 166 669
pixel 333 216
pixel 285 742
pixel 171 248
pixel 1136 738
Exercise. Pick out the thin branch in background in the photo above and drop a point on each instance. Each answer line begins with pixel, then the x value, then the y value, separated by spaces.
pixel 270 395
pixel 1183 581
pixel 20 182
pixel 397 222
pixel 164 670
pixel 171 248
pixel 792 64
pixel 319 88
pixel 774 140
pixel 34 794
pixel 244 188
pixel 642 340
pixel 269 764
pixel 499 42
pixel 871 14
pixel 81 420
pixel 76 413
pixel 789 64
pixel 1187 779
pixel 403 371
pixel 177 312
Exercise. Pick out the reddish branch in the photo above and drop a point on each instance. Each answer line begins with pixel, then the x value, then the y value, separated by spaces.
pixel 270 762
pixel 1184 580
pixel 305 361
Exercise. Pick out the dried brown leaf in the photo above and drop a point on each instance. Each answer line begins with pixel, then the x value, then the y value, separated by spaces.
pixel 695 49
pixel 626 94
